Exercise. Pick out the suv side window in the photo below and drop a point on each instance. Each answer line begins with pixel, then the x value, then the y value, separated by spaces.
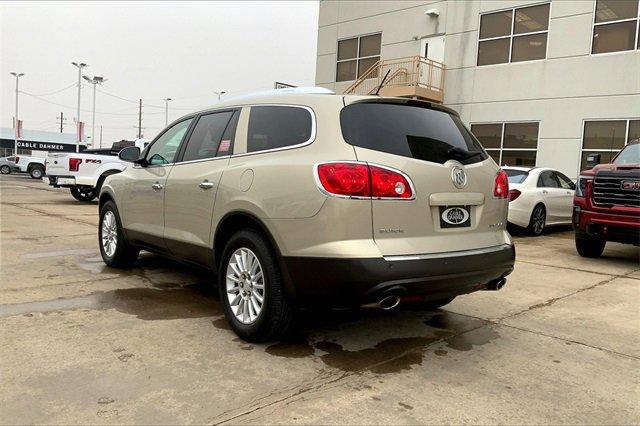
pixel 548 179
pixel 205 140
pixel 272 127
pixel 164 149
pixel 565 182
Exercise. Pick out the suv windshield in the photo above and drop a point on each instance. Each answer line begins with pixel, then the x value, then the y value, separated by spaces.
pixel 629 155
pixel 516 176
pixel 410 131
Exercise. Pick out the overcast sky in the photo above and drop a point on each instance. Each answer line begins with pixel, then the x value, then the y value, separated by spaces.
pixel 148 50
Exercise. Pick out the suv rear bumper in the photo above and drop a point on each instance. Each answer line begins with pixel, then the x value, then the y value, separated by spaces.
pixel 347 282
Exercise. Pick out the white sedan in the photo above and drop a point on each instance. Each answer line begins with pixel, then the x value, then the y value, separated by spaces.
pixel 539 197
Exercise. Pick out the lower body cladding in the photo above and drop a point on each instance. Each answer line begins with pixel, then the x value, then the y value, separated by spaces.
pixel 340 282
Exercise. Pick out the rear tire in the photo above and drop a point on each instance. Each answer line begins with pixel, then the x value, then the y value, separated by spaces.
pixel 241 284
pixel 5 170
pixel 36 172
pixel 538 220
pixel 115 250
pixel 589 246
pixel 84 194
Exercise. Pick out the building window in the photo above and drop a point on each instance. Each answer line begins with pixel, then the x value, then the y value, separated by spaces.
pixel 509 144
pixel 356 55
pixel 607 138
pixel 513 35
pixel 616 26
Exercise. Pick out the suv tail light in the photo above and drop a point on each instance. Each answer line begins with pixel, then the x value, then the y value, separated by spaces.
pixel 74 164
pixel 501 187
pixel 362 180
pixel 513 194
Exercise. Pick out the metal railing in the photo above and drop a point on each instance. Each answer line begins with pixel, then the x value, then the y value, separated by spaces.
pixel 411 71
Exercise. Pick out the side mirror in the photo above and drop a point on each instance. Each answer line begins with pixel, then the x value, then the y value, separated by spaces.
pixel 130 153
pixel 592 160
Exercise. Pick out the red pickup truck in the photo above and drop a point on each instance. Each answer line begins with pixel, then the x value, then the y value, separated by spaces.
pixel 606 205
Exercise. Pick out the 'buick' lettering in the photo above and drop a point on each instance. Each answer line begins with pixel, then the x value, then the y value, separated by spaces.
pixel 455 215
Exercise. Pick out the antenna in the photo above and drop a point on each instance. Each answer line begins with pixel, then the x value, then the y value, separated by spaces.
pixel 382 82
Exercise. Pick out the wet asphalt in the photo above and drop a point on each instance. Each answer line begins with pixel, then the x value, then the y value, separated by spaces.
pixel 84 343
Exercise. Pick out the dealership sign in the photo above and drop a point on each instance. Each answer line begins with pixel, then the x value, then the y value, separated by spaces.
pixel 41 146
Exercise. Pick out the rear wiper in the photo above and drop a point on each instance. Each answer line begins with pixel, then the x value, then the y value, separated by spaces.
pixel 462 154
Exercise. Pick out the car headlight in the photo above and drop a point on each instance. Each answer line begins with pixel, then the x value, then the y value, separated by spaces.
pixel 581 187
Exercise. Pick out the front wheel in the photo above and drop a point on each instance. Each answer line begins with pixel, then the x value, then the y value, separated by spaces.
pixel 252 290
pixel 114 248
pixel 589 246
pixel 5 170
pixel 36 172
pixel 538 220
pixel 84 194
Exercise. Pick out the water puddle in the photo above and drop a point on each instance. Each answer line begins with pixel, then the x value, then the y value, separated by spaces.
pixel 192 301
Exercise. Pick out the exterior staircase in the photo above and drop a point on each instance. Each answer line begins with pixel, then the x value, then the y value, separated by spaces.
pixel 414 77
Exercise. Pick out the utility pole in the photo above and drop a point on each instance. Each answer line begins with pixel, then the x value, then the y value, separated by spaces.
pixel 95 81
pixel 62 119
pixel 79 66
pixel 140 120
pixel 101 136
pixel 17 75
pixel 166 111
pixel 219 94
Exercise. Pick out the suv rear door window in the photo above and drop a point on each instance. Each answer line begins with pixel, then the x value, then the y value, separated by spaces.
pixel 207 136
pixel 273 127
pixel 410 131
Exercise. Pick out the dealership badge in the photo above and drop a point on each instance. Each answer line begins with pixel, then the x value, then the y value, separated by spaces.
pixel 455 215
pixel 459 177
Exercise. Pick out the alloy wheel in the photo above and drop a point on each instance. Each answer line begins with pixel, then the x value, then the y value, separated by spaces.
pixel 5 170
pixel 538 220
pixel 109 233
pixel 245 285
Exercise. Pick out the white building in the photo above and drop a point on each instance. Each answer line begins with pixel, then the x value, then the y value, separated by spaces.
pixel 539 83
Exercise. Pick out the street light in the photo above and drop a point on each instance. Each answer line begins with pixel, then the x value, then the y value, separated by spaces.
pixel 79 66
pixel 95 81
pixel 219 94
pixel 166 111
pixel 17 75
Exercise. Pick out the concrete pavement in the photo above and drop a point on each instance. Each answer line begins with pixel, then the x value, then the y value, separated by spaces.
pixel 83 343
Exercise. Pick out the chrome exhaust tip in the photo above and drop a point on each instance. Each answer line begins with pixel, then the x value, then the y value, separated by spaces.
pixel 495 285
pixel 386 303
pixel 389 302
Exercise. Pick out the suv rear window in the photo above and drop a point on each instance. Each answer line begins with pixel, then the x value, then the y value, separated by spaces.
pixel 410 131
pixel 272 127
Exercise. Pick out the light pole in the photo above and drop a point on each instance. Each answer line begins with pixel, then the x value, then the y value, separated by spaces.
pixel 166 111
pixel 17 75
pixel 219 94
pixel 95 81
pixel 79 66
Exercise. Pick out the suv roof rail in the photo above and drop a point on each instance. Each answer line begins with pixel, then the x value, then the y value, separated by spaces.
pixel 285 91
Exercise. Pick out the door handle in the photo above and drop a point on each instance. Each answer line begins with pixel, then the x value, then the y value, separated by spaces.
pixel 544 191
pixel 205 184
pixel 157 186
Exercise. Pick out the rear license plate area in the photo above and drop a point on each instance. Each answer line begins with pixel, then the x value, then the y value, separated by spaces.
pixel 455 216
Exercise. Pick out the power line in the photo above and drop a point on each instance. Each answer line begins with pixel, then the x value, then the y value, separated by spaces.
pixel 50 93
pixel 85 110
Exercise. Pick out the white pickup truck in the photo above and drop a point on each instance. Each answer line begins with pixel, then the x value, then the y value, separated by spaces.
pixel 84 172
pixel 33 165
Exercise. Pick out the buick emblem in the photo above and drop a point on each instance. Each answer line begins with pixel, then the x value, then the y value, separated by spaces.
pixel 459 177
pixel 455 215
pixel 630 184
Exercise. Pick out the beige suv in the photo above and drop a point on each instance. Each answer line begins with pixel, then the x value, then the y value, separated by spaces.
pixel 301 199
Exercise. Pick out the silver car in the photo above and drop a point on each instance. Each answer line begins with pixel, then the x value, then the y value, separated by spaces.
pixel 8 165
pixel 307 199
